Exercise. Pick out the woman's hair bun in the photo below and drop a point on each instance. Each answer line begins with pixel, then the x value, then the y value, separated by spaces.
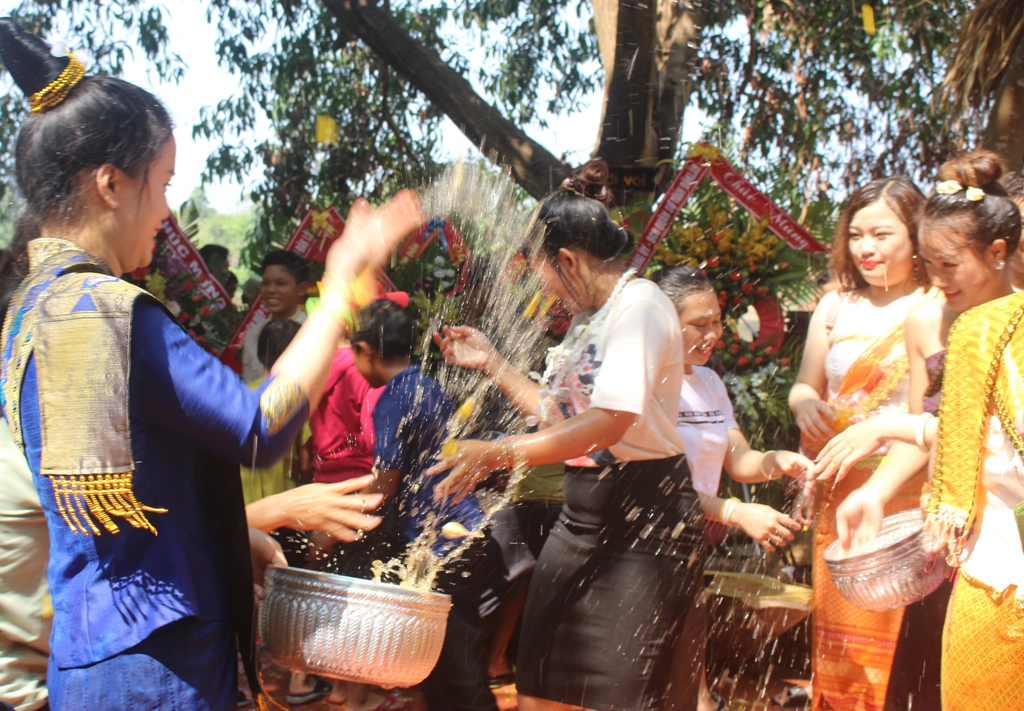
pixel 28 58
pixel 591 180
pixel 978 169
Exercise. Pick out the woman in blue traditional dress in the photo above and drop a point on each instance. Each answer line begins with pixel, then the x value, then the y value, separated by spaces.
pixel 133 433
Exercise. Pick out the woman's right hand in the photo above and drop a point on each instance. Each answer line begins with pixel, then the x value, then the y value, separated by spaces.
pixel 859 520
pixel 334 509
pixel 772 529
pixel 814 418
pixel 370 234
pixel 466 347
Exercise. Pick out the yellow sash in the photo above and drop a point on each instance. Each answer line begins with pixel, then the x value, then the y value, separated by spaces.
pixel 976 383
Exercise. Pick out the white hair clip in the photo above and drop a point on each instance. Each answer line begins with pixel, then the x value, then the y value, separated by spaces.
pixel 951 187
pixel 59 47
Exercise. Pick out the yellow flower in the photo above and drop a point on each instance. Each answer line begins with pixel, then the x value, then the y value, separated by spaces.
pixel 156 285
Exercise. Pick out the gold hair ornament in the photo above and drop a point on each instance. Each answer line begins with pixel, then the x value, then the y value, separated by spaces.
pixel 951 187
pixel 57 90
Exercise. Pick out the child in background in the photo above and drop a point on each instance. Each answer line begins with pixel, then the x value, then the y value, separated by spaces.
pixel 342 424
pixel 294 469
pixel 285 280
pixel 410 422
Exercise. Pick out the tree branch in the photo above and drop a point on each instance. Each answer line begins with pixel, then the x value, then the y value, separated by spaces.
pixel 532 165
pixel 1005 131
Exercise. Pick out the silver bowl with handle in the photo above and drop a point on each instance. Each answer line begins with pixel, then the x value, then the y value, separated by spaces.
pixel 896 572
pixel 346 628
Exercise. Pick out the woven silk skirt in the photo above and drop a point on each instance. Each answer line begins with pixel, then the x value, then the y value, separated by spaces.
pixel 612 589
pixel 983 654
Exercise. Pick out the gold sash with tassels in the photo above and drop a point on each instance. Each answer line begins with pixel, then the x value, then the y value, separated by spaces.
pixel 74 319
pixel 976 384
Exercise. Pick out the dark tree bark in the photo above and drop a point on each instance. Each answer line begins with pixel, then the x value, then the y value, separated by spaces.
pixel 532 165
pixel 646 50
pixel 1005 131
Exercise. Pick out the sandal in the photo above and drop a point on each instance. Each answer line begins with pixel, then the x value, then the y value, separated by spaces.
pixel 506 679
pixel 320 690
pixel 795 697
pixel 241 701
pixel 390 701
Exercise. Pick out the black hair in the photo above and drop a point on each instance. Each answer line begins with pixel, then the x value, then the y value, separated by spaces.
pixel 680 282
pixel 576 215
pixel 103 120
pixel 293 262
pixel 208 251
pixel 1013 184
pixel 387 329
pixel 982 222
pixel 274 339
pixel 231 280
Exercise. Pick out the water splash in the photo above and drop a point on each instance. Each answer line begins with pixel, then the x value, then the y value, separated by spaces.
pixel 483 205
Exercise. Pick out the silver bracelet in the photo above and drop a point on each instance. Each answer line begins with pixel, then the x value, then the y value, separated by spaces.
pixel 766 475
pixel 922 423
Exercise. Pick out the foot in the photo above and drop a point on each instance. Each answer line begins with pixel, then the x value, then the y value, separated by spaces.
pixel 377 701
pixel 306 693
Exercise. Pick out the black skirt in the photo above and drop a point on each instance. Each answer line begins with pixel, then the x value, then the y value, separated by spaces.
pixel 612 589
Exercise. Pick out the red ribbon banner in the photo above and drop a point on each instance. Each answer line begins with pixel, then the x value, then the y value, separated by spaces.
pixel 185 251
pixel 735 185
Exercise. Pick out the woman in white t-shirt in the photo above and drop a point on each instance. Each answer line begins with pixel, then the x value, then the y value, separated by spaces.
pixel 707 425
pixel 713 439
pixel 622 568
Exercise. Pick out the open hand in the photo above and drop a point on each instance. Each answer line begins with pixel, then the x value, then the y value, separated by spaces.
pixel 859 520
pixel 467 466
pixel 815 418
pixel 465 347
pixel 334 509
pixel 370 234
pixel 772 529
pixel 853 444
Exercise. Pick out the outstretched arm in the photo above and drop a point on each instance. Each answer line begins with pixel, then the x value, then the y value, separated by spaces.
pixel 467 347
pixel 578 436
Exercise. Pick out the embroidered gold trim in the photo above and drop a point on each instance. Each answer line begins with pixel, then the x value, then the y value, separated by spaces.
pixel 57 90
pixel 895 372
pixel 91 499
pixel 971 390
pixel 279 403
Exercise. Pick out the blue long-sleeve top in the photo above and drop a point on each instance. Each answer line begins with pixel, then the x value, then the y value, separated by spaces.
pixel 112 591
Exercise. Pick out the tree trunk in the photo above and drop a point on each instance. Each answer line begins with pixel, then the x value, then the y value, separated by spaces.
pixel 1005 131
pixel 646 50
pixel 532 165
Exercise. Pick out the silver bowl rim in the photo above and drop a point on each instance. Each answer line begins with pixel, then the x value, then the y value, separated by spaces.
pixel 333 579
pixel 908 542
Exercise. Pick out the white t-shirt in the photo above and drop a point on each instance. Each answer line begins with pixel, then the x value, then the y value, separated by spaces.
pixel 634 364
pixel 252 369
pixel 705 418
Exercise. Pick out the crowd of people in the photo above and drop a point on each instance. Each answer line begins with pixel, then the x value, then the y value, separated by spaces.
pixel 161 484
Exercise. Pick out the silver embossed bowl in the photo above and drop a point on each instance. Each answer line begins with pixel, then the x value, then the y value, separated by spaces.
pixel 341 627
pixel 896 572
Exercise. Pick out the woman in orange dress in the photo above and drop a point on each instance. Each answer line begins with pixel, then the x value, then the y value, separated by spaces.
pixel 854 366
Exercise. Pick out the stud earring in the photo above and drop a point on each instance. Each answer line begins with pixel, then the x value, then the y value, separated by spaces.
pixel 1000 263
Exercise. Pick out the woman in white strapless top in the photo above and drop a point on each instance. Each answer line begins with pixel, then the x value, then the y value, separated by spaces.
pixel 854 365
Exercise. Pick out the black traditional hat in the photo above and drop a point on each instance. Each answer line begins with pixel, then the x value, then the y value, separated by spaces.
pixel 44 78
